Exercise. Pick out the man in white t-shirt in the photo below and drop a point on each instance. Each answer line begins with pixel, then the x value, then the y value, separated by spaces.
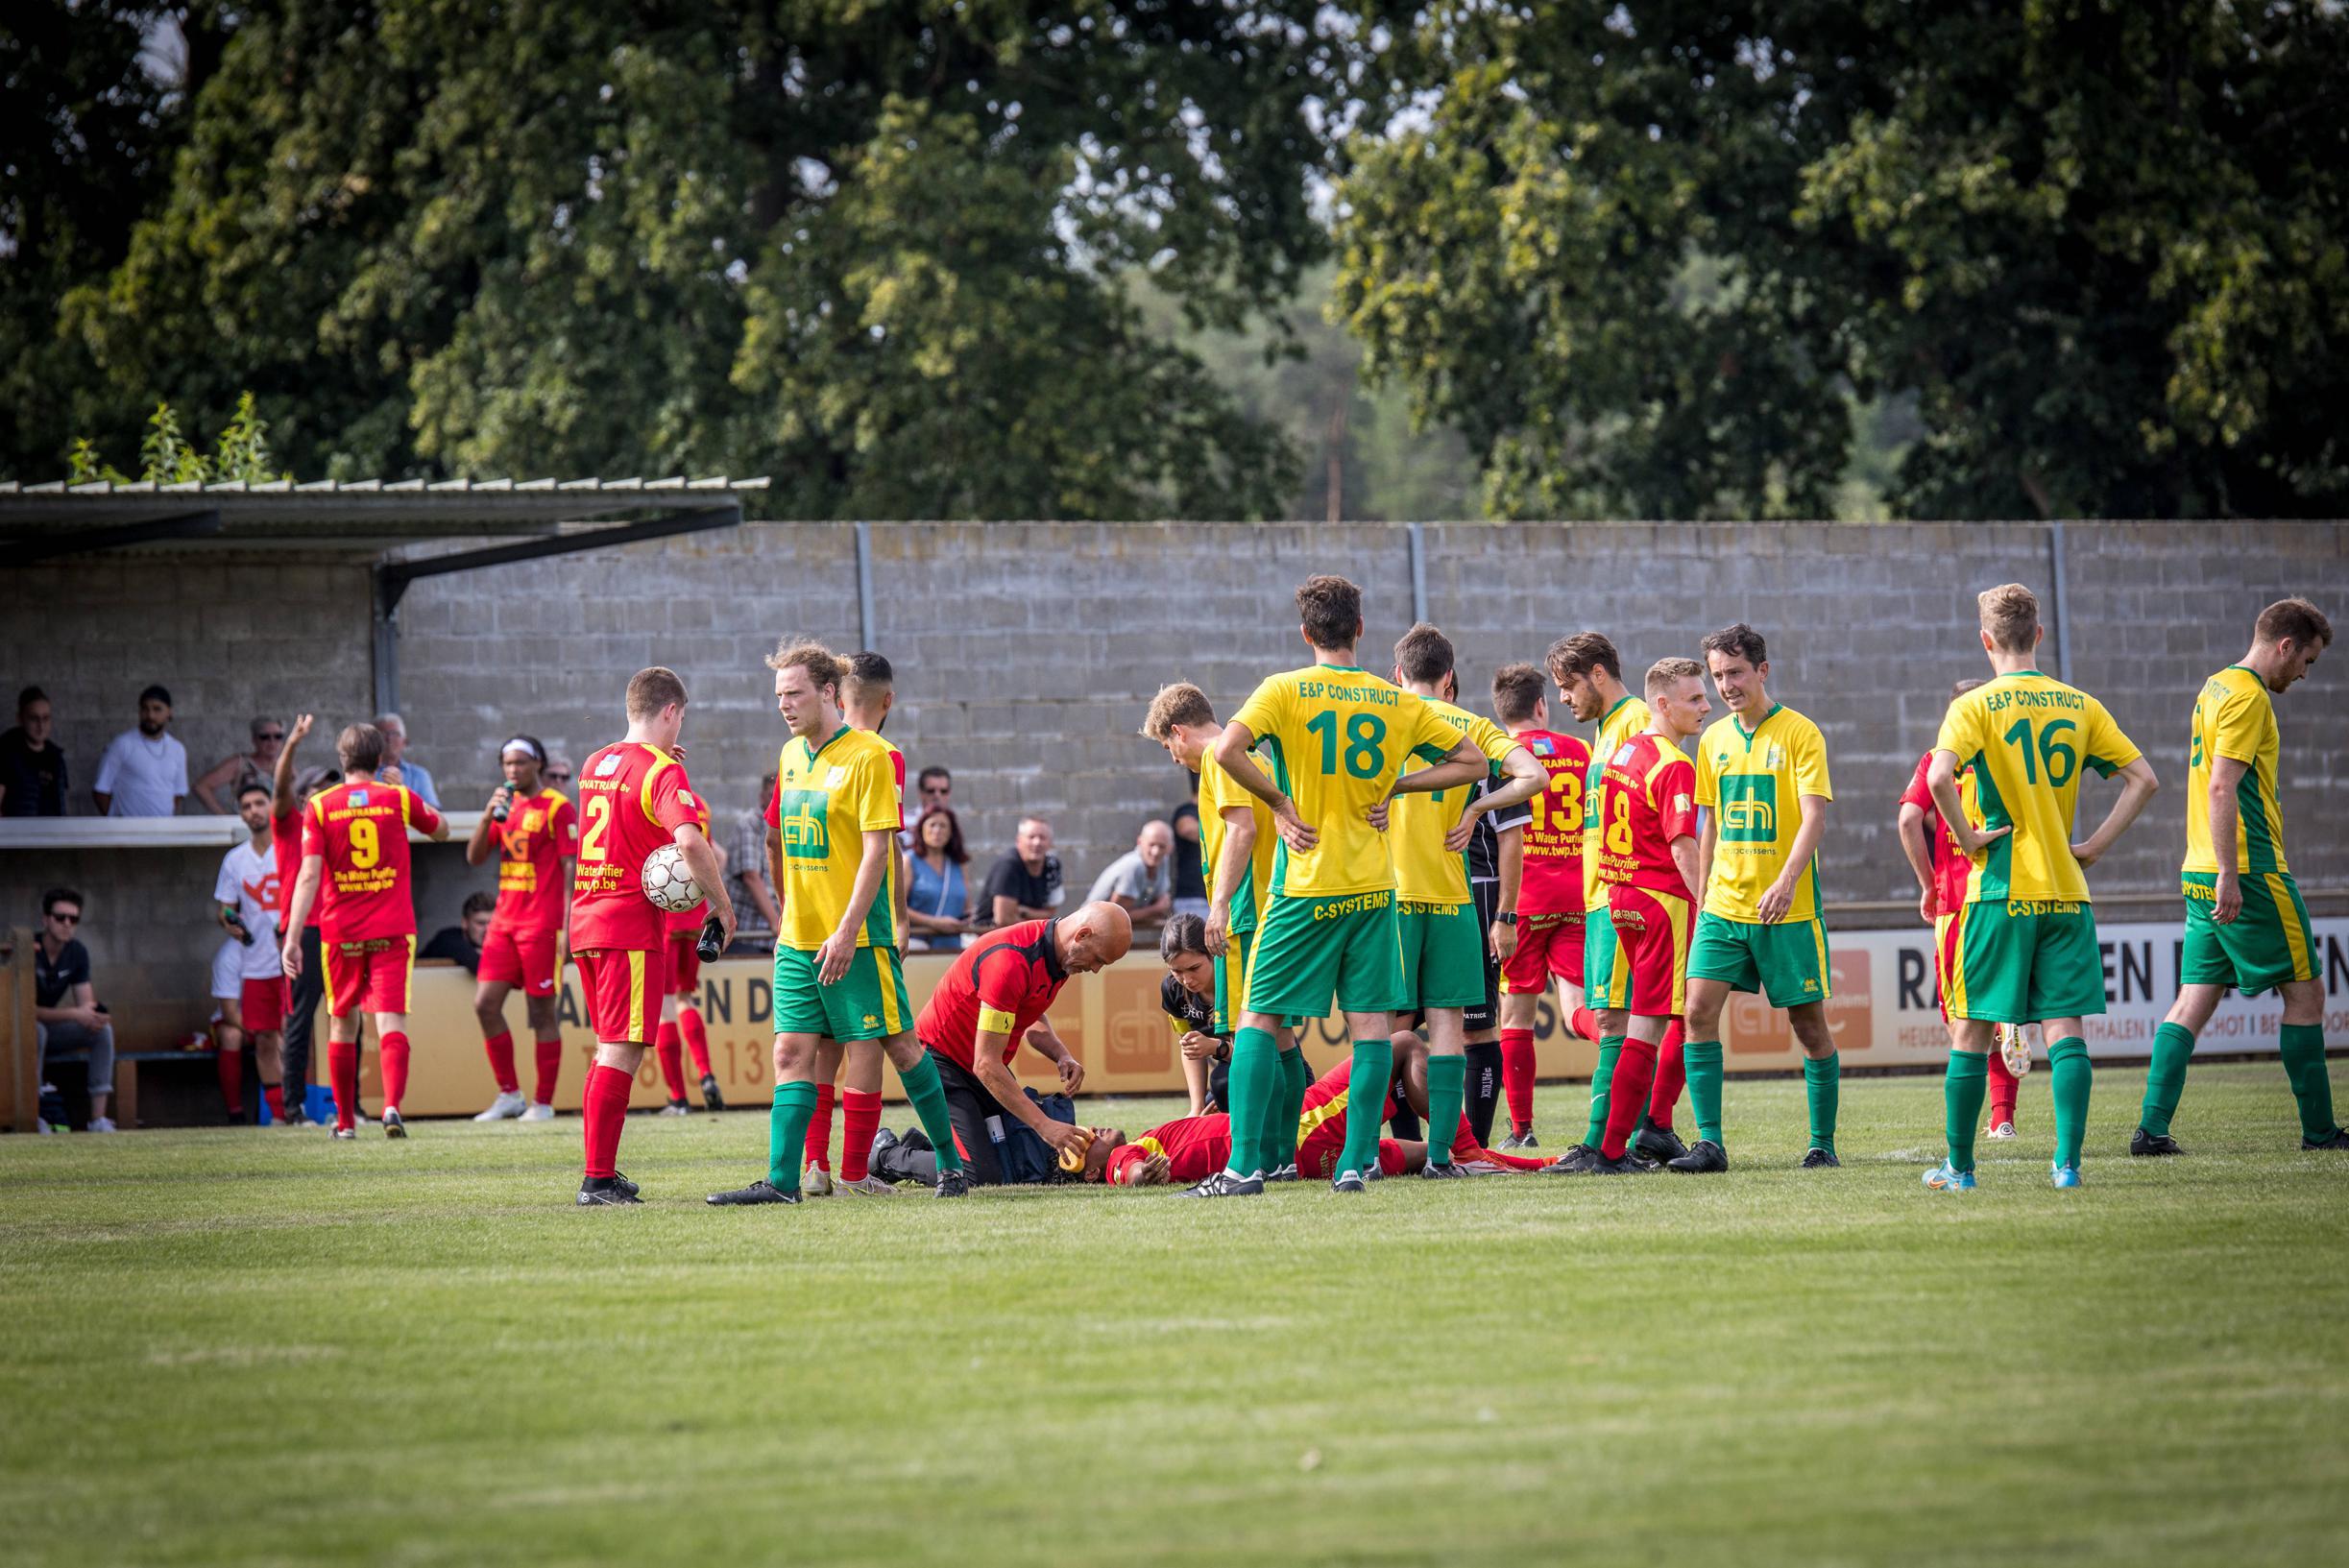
pixel 144 772
pixel 246 899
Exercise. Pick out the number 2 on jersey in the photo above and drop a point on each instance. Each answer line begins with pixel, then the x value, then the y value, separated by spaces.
pixel 598 824
pixel 1362 734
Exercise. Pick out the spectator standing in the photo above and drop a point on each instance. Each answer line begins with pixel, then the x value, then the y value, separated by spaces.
pixel 938 894
pixel 413 776
pixel 241 772
pixel 1026 883
pixel 32 765
pixel 66 1015
pixel 934 788
pixel 1190 878
pixel 558 771
pixel 304 990
pixel 461 944
pixel 245 897
pixel 144 772
pixel 746 863
pixel 1141 881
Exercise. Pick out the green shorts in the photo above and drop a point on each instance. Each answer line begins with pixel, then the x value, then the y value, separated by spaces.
pixel 2021 961
pixel 868 1002
pixel 1786 962
pixel 2268 944
pixel 1444 954
pixel 1606 969
pixel 1231 971
pixel 1310 951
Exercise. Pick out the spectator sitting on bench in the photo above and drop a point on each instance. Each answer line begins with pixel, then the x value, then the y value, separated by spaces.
pixel 66 1011
pixel 461 943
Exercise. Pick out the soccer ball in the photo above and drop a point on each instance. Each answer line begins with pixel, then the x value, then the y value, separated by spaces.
pixel 667 882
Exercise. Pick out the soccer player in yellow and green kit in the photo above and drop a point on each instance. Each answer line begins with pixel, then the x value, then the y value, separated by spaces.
pixel 1763 781
pixel 1340 740
pixel 2027 947
pixel 2245 925
pixel 1589 676
pixel 1444 937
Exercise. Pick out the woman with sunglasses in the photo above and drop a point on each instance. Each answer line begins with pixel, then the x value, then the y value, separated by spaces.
pixel 237 773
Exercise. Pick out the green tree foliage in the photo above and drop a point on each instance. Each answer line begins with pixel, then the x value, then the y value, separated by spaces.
pixel 1644 257
pixel 868 248
pixel 166 457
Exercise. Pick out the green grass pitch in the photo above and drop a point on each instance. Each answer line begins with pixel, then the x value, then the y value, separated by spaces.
pixel 258 1347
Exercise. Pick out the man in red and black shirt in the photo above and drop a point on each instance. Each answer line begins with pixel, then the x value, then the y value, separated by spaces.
pixel 994 997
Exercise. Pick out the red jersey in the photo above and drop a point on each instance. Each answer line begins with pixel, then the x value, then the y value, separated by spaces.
pixel 690 920
pixel 1553 876
pixel 1003 981
pixel 1195 1147
pixel 633 798
pixel 285 843
pixel 1325 1109
pixel 1950 867
pixel 537 836
pixel 1647 798
pixel 360 831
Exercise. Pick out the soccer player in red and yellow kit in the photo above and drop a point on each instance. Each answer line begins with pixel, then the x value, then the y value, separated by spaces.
pixel 302 993
pixel 634 798
pixel 535 834
pixel 354 869
pixel 681 1025
pixel 1549 891
pixel 1187 1149
pixel 1322 1131
pixel 1648 855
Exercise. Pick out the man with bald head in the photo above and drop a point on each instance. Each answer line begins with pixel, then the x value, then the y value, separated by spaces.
pixel 996 996
pixel 1026 883
pixel 1141 881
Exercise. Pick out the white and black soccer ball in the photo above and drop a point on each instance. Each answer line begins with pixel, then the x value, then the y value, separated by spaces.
pixel 668 882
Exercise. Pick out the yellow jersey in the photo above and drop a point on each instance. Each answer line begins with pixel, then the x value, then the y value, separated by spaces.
pixel 2028 737
pixel 1218 791
pixel 827 798
pixel 1624 720
pixel 2236 717
pixel 1754 784
pixel 1425 871
pixel 1339 739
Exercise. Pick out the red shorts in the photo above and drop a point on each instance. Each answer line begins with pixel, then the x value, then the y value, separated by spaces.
pixel 1317 1157
pixel 624 993
pixel 263 1005
pixel 1653 930
pixel 1948 932
pixel 524 958
pixel 684 963
pixel 1547 946
pixel 368 976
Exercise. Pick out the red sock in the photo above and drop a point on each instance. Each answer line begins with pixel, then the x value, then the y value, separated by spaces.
pixel 1671 1078
pixel 605 1103
pixel 1628 1095
pixel 1586 1024
pixel 500 1048
pixel 1513 1162
pixel 696 1040
pixel 860 1119
pixel 819 1129
pixel 343 1076
pixel 230 1066
pixel 394 1068
pixel 671 1052
pixel 550 1070
pixel 2003 1086
pixel 273 1095
pixel 1517 1076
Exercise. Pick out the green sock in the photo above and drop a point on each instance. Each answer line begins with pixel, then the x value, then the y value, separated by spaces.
pixel 1447 1087
pixel 2069 1077
pixel 1961 1093
pixel 1822 1086
pixel 787 1134
pixel 2166 1077
pixel 1701 1059
pixel 929 1098
pixel 1255 1094
pixel 1365 1100
pixel 1295 1077
pixel 1601 1082
pixel 2304 1068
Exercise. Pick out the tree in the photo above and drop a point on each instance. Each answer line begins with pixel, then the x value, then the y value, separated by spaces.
pixel 1644 257
pixel 867 247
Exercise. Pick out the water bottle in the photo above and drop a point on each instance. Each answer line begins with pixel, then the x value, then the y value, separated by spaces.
pixel 712 941
pixel 504 800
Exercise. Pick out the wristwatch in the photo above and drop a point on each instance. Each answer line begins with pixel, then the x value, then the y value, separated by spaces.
pixel 1507 917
